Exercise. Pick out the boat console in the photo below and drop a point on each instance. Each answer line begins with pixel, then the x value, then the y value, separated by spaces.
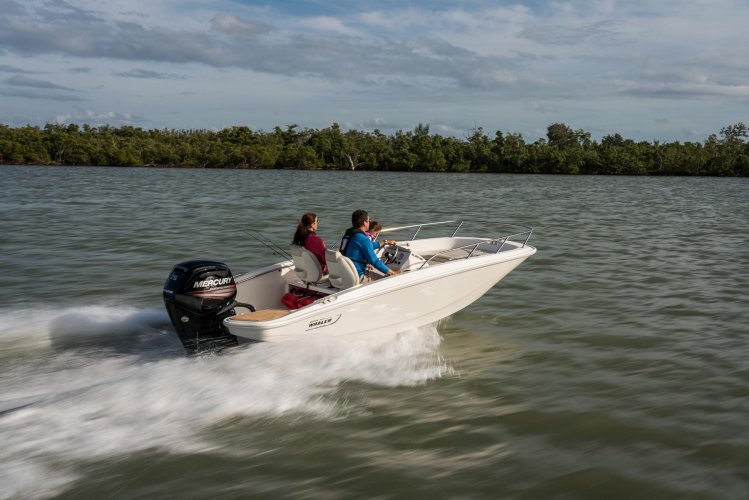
pixel 399 258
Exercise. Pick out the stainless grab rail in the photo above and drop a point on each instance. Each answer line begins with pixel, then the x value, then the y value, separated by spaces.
pixel 419 226
pixel 528 229
pixel 473 246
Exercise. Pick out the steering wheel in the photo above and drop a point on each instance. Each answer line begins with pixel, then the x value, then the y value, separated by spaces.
pixel 390 258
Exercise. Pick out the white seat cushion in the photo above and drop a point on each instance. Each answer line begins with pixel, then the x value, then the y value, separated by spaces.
pixel 306 265
pixel 341 270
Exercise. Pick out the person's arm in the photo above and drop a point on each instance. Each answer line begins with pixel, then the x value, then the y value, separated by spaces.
pixel 377 244
pixel 371 258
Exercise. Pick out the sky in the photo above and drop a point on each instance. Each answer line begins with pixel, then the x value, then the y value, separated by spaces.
pixel 667 70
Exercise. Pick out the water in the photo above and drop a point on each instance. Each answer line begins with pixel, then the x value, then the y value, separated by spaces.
pixel 612 364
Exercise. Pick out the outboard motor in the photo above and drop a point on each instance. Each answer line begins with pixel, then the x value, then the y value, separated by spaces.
pixel 198 295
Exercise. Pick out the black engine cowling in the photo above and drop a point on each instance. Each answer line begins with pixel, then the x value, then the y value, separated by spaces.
pixel 198 295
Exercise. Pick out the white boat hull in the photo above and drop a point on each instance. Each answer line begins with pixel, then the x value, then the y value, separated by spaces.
pixel 411 299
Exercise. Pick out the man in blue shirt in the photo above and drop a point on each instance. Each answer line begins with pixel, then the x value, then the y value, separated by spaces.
pixel 356 246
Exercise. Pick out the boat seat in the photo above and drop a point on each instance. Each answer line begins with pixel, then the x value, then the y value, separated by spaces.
pixel 341 270
pixel 306 265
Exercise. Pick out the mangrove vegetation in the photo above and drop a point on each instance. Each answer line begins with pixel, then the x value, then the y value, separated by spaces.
pixel 563 151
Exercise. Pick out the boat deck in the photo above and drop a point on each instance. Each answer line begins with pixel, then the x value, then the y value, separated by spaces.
pixel 261 315
pixel 454 254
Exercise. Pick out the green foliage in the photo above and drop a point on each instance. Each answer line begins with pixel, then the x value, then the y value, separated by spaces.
pixel 563 151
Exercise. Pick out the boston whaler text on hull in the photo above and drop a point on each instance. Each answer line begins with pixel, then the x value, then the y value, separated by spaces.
pixel 293 299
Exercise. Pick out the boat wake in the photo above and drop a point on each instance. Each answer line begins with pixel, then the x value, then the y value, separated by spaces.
pixel 85 383
pixel 118 329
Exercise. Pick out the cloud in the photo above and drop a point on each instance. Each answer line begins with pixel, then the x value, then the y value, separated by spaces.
pixel 97 118
pixel 379 123
pixel 332 49
pixel 692 133
pixel 32 88
pixel 39 94
pixel 6 68
pixel 381 19
pixel 327 24
pixel 22 81
pixel 501 65
pixel 691 78
pixel 234 25
pixel 148 74
pixel 337 56
pixel 62 11
pixel 541 107
pixel 10 7
pixel 668 90
pixel 133 13
pixel 602 32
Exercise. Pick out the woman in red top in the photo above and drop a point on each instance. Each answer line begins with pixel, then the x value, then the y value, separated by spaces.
pixel 305 236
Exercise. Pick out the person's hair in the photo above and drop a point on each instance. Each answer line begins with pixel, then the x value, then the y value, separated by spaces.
pixel 304 227
pixel 358 218
pixel 375 226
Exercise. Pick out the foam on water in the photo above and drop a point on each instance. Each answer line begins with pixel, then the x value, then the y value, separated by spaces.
pixel 86 325
pixel 98 381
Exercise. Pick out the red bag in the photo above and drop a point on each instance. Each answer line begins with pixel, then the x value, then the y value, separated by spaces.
pixel 290 300
pixel 294 300
pixel 304 301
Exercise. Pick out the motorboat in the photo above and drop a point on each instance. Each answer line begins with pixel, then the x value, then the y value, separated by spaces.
pixel 441 272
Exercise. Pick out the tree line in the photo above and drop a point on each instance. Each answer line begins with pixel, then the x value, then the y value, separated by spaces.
pixel 563 151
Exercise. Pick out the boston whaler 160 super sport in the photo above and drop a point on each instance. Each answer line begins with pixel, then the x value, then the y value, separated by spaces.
pixel 293 299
